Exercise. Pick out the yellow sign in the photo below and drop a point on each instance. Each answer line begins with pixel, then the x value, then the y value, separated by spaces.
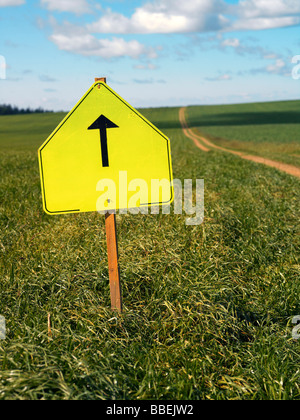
pixel 103 156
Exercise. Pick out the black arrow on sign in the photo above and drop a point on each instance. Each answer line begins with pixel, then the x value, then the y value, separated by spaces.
pixel 102 123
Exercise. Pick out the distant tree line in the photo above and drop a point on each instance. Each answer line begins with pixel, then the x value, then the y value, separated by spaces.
pixel 13 110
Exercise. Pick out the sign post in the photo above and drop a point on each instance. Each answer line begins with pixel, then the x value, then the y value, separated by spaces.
pixel 113 263
pixel 105 156
pixel 111 235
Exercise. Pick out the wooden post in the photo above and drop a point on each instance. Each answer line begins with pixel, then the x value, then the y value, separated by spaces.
pixel 112 254
pixel 113 265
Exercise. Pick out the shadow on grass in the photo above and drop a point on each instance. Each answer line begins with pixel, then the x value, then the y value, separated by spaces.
pixel 235 119
pixel 247 118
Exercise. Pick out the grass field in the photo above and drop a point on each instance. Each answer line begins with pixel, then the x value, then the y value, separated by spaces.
pixel 269 129
pixel 207 309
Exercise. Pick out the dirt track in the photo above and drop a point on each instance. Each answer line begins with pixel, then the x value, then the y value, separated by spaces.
pixel 289 169
pixel 188 132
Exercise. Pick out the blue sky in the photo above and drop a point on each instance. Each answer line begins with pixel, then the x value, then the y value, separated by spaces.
pixel 153 52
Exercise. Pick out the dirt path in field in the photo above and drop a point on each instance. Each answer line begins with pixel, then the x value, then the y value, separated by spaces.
pixel 188 132
pixel 289 169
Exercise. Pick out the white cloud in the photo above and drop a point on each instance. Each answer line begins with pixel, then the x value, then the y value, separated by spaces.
pixel 168 16
pixel 6 3
pixel 219 42
pixel 165 16
pixel 88 45
pixel 76 39
pixel 141 22
pixel 279 67
pixel 266 8
pixel 265 14
pixel 231 42
pixel 176 16
pixel 73 6
pixel 261 23
pixel 3 67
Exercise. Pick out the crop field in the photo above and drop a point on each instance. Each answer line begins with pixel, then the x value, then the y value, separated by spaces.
pixel 267 129
pixel 208 309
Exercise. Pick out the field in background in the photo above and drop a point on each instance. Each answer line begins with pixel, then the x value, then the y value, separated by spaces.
pixel 208 308
pixel 270 129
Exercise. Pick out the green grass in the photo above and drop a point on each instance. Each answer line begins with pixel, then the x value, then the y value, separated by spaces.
pixel 25 132
pixel 270 129
pixel 207 309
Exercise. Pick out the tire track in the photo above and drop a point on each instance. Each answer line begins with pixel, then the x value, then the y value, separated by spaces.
pixel 188 132
pixel 284 167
